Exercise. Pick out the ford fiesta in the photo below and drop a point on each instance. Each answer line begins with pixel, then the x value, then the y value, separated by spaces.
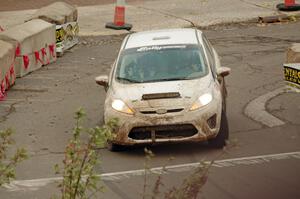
pixel 166 86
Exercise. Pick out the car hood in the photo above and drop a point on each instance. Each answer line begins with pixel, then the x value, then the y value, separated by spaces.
pixel 189 91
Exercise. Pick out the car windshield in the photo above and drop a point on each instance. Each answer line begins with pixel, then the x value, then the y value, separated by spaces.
pixel 161 63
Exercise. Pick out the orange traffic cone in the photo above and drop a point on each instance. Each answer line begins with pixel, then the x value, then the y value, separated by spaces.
pixel 119 19
pixel 288 5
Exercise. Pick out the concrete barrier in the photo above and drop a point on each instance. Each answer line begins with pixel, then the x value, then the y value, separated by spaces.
pixel 35 45
pixel 64 16
pixel 57 13
pixel 7 74
pixel 293 53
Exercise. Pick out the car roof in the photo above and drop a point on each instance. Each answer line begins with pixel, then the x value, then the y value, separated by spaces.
pixel 162 37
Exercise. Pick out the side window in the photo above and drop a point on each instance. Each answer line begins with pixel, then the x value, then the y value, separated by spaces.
pixel 210 55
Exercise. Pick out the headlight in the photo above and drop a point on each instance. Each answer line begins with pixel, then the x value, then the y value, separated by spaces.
pixel 119 105
pixel 203 100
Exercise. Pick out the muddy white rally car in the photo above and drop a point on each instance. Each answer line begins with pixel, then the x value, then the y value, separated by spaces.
pixel 166 86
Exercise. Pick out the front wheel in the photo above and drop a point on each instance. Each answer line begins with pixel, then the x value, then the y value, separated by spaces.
pixel 220 140
pixel 114 147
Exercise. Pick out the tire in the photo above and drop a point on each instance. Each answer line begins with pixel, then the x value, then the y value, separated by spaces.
pixel 224 105
pixel 114 147
pixel 282 7
pixel 220 140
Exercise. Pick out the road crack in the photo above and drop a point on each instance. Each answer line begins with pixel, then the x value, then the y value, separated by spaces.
pixel 11 110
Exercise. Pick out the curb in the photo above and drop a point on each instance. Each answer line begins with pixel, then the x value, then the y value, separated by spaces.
pixel 256 109
pixel 256 20
pixel 279 18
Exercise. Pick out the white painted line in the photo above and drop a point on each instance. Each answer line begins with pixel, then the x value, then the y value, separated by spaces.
pixel 35 184
pixel 256 109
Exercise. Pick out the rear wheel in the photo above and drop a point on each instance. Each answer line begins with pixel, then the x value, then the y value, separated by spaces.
pixel 220 140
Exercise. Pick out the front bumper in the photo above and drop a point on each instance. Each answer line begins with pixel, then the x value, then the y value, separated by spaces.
pixel 155 125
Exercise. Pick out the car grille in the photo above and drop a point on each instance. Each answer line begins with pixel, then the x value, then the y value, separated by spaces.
pixel 163 132
pixel 212 121
pixel 167 111
pixel 160 96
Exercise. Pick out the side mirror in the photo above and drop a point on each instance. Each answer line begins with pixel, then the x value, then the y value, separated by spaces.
pixel 102 80
pixel 223 71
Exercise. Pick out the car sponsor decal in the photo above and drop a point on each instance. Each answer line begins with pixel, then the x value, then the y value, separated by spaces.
pixel 149 48
pixel 292 74
pixel 66 36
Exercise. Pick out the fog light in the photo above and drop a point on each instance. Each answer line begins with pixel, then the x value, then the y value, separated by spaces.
pixel 212 121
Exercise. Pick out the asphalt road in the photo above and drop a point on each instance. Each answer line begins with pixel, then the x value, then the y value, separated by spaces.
pixel 264 164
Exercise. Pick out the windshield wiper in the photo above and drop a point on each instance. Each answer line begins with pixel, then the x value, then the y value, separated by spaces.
pixel 169 79
pixel 128 80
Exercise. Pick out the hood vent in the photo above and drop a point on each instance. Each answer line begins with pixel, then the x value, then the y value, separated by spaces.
pixel 161 96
